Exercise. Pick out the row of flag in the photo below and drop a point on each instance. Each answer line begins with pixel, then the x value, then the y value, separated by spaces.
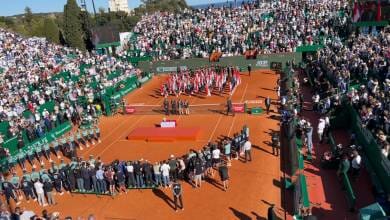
pixel 358 11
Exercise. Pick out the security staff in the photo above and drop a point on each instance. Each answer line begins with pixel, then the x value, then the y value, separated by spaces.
pixel 28 189
pixel 229 106
pixel 166 106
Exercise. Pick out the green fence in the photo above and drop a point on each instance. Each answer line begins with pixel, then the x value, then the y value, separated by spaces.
pixel 12 144
pixel 351 198
pixel 377 161
pixel 295 161
pixel 4 129
pixel 261 62
pixel 380 164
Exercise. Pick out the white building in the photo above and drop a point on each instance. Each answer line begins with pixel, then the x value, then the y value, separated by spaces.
pixel 118 5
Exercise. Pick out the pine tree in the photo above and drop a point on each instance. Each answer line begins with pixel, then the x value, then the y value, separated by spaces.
pixel 86 25
pixel 51 31
pixel 28 15
pixel 72 25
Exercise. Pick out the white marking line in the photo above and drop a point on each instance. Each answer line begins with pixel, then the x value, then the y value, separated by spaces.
pixel 234 119
pixel 135 104
pixel 108 135
pixel 243 94
pixel 142 105
pixel 205 105
pixel 125 120
pixel 126 131
pixel 231 126
pixel 234 89
pixel 215 127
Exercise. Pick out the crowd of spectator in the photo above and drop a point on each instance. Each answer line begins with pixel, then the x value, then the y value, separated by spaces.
pixel 35 71
pixel 359 69
pixel 22 214
pixel 268 27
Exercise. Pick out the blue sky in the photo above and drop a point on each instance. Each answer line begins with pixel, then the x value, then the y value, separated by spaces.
pixel 9 7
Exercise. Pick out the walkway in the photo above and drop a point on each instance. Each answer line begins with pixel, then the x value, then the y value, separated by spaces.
pixel 325 191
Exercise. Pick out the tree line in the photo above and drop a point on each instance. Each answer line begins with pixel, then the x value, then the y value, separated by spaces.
pixel 73 26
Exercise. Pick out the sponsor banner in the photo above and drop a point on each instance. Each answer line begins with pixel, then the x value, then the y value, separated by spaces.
pixel 168 124
pixel 239 108
pixel 253 101
pixel 130 110
pixel 162 69
pixel 11 144
pixel 262 63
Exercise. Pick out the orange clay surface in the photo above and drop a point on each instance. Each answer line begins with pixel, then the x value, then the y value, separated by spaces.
pixel 253 185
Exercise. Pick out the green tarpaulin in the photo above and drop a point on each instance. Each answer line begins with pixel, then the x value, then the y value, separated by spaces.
pixel 310 48
pixel 371 24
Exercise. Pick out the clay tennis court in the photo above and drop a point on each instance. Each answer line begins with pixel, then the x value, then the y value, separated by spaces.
pixel 253 186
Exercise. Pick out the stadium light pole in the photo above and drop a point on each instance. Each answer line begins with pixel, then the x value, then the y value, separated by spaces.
pixel 94 9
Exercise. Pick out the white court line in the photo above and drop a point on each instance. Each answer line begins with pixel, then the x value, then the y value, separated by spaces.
pixel 104 149
pixel 215 127
pixel 108 135
pixel 234 119
pixel 116 140
pixel 243 94
pixel 204 105
pixel 231 127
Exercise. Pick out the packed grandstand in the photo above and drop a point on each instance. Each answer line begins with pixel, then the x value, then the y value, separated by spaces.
pixel 53 96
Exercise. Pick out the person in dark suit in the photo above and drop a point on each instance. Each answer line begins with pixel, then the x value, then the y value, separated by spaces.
pixel 275 144
pixel 166 106
pixel 229 106
pixel 177 195
pixel 267 104
pixel 249 69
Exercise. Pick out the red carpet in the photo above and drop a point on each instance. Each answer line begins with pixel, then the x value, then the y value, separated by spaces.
pixel 164 134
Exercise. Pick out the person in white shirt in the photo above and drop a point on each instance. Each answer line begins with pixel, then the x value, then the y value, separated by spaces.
pixel 165 173
pixel 40 193
pixel 216 154
pixel 320 129
pixel 356 163
pixel 247 149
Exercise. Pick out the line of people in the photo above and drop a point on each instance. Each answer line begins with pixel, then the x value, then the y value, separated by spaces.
pixel 67 145
pixel 95 176
pixel 206 79
pixel 176 107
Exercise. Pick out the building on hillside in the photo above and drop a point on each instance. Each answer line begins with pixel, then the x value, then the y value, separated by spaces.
pixel 119 5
